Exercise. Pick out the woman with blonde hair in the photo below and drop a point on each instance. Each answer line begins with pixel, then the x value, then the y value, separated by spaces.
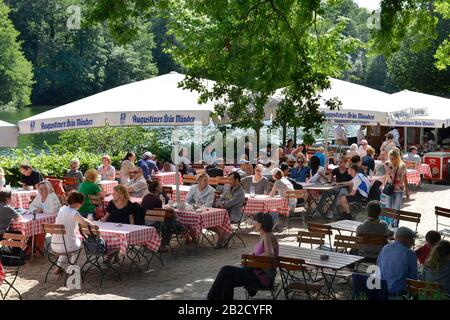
pixel 437 266
pixel 74 172
pixel 46 200
pixel 106 170
pixel 353 150
pixel 395 181
pixel 88 188
pixel 120 209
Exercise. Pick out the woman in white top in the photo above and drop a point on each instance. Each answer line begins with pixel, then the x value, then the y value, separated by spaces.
pixel 70 218
pixel 46 200
pixel 126 166
pixel 317 171
pixel 282 185
pixel 106 170
pixel 353 150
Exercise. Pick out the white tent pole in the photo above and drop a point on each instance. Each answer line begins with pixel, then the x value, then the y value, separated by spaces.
pixel 177 178
pixel 326 144
pixel 406 139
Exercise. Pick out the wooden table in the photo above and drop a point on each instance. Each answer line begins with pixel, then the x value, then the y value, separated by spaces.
pixel 335 262
pixel 349 226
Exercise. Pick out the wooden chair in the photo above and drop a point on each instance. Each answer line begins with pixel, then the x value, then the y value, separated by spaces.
pixel 344 244
pixel 298 210
pixel 409 216
pixel 57 185
pixel 96 258
pixel 444 213
pixel 213 181
pixel 372 240
pixel 294 279
pixel 98 202
pixel 306 237
pixel 59 230
pixel 319 228
pixel 237 226
pixel 265 263
pixel 9 242
pixel 69 183
pixel 423 290
pixel 161 216
pixel 189 180
pixel 223 180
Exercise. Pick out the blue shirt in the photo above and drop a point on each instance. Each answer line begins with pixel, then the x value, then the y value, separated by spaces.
pixel 397 263
pixel 321 157
pixel 148 167
pixel 299 174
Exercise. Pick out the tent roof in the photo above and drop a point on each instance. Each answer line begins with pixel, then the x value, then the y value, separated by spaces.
pixel 8 134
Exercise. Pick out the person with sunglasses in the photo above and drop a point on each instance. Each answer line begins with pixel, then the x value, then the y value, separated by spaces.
pixel 137 186
pixel 257 181
pixel 300 171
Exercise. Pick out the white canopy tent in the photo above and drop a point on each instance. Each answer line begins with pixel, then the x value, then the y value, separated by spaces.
pixel 8 134
pixel 420 110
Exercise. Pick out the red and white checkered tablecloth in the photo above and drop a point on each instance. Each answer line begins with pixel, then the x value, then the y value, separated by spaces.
pixel 183 192
pixel 210 217
pixel 425 170
pixel 119 238
pixel 167 178
pixel 107 186
pixel 413 177
pixel 29 227
pixel 22 199
pixel 262 203
pixel 2 273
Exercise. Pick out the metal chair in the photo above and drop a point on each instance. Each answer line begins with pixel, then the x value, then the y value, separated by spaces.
pixel 10 242
pixel 422 290
pixel 444 213
pixel 237 226
pixel 96 258
pixel 264 263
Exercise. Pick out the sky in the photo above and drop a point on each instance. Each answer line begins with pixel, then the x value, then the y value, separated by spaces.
pixel 369 4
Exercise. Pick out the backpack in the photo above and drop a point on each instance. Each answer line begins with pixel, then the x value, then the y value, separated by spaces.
pixel 94 244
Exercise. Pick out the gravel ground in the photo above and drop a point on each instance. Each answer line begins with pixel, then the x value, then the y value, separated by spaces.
pixel 191 276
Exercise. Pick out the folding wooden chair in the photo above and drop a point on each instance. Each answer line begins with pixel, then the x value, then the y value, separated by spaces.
pixel 96 258
pixel 10 242
pixel 319 228
pixel 444 213
pixel 409 216
pixel 69 184
pixel 214 181
pixel 298 210
pixel 373 240
pixel 264 263
pixel 344 244
pixel 98 202
pixel 311 238
pixel 59 230
pixel 294 279
pixel 237 226
pixel 421 290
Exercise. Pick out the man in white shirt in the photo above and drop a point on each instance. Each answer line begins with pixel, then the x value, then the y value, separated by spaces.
pixel 364 145
pixel 360 136
pixel 396 136
pixel 137 187
pixel 412 155
pixel 340 135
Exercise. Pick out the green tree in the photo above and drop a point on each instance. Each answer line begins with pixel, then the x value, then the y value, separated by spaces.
pixel 71 63
pixel 16 75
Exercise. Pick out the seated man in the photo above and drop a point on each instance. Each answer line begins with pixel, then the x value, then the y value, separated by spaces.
pixel 232 199
pixel 397 262
pixel 300 172
pixel 373 226
pixel 412 155
pixel 137 186
pixel 360 191
pixel 30 176
pixel 6 212
pixel 432 238
pixel 147 165
pixel 213 170
pixel 201 194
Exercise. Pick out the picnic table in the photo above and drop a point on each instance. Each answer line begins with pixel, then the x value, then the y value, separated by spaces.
pixel 22 198
pixel 336 261
pixel 315 192
pixel 349 226
pixel 107 186
pixel 206 218
pixel 167 178
pixel 262 203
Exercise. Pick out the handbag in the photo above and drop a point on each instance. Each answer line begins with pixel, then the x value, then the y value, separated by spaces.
pixel 389 187
pixel 94 244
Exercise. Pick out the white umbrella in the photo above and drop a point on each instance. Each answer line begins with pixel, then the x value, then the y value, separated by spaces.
pixel 8 134
pixel 420 110
pixel 154 102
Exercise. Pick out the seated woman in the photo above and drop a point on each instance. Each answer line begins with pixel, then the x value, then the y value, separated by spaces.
pixel 120 209
pixel 257 181
pixel 155 200
pixel 75 173
pixel 46 200
pixel 353 150
pixel 300 171
pixel 70 218
pixel 201 194
pixel 89 188
pixel 437 266
pixel 317 171
pixel 106 170
pixel 230 277
pixel 6 212
pixel 282 185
